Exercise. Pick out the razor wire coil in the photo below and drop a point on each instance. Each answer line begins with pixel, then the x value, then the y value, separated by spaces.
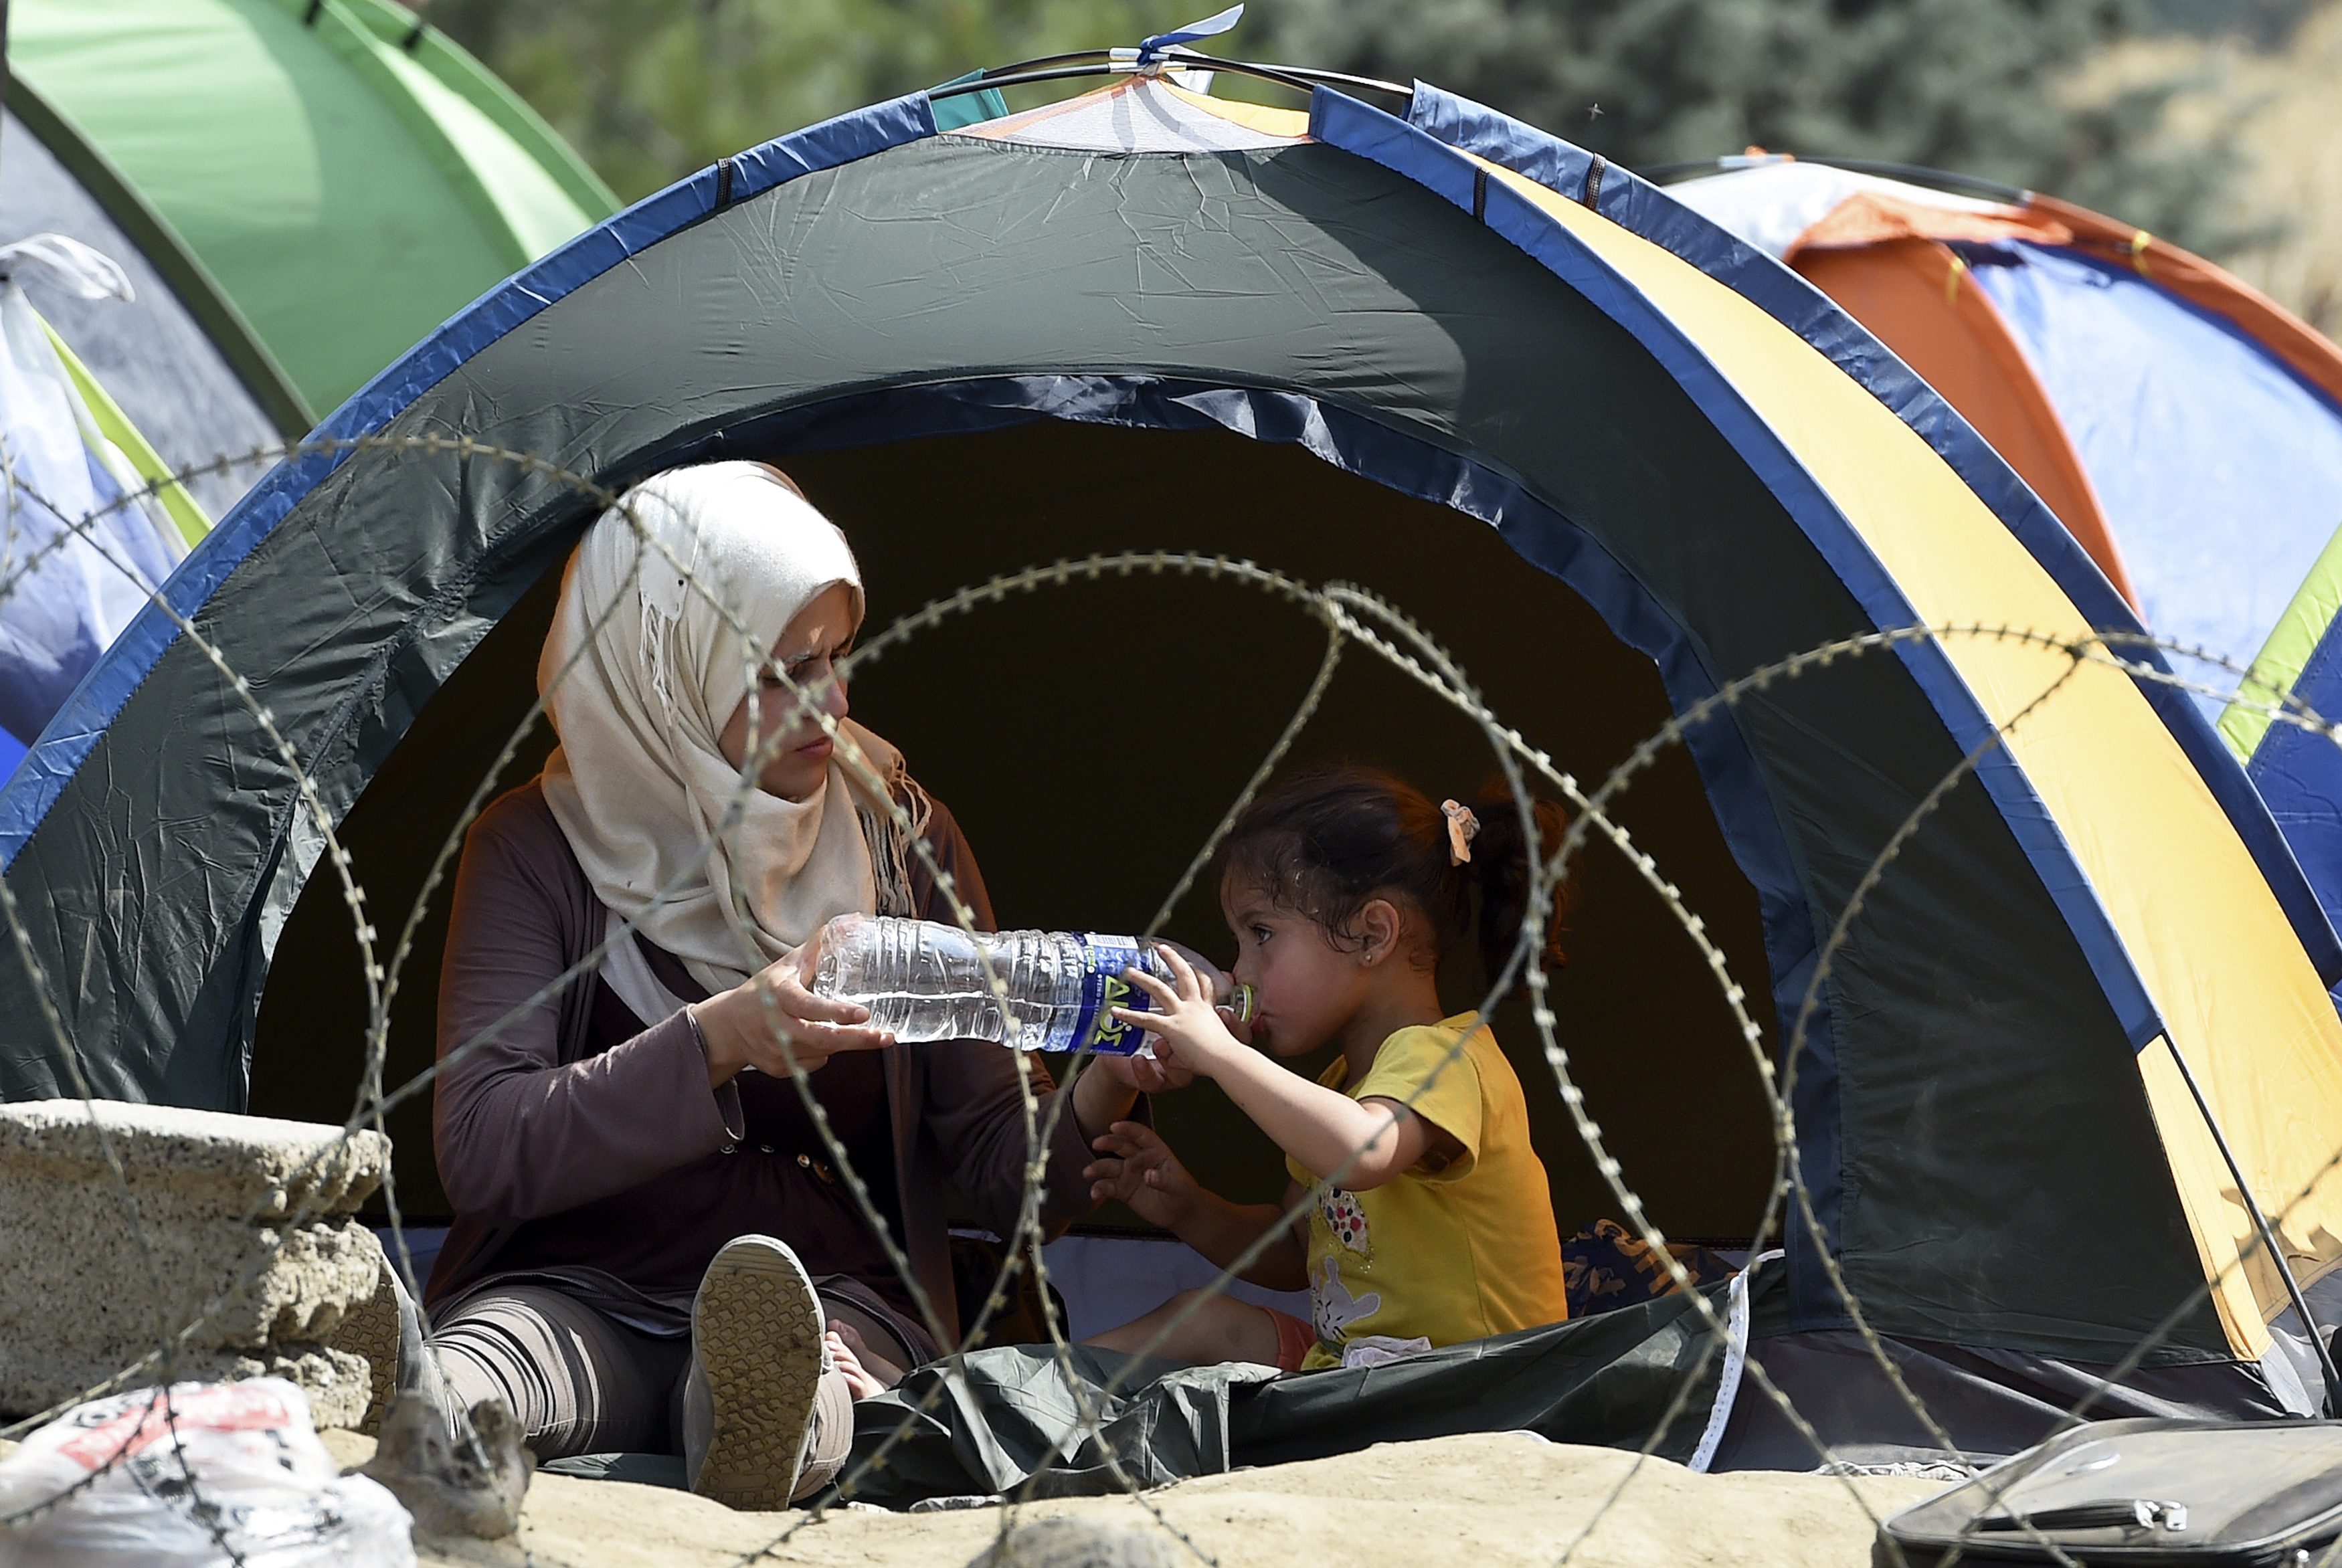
pixel 1353 618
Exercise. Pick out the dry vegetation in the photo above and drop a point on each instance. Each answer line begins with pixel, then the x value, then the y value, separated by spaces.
pixel 2278 113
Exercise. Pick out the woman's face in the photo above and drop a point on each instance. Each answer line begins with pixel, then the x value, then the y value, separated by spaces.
pixel 794 752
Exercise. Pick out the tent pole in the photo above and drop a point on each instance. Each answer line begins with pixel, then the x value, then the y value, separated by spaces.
pixel 2267 1236
pixel 1101 62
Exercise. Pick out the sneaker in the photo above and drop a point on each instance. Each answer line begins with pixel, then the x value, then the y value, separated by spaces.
pixel 756 1363
pixel 369 1328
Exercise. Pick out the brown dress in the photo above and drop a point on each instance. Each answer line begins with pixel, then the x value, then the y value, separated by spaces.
pixel 583 1149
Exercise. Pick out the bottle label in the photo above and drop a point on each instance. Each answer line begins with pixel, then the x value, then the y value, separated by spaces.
pixel 1096 1028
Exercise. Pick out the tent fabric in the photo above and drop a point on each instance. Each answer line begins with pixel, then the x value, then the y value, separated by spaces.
pixel 1141 117
pixel 2186 428
pixel 1776 203
pixel 114 426
pixel 1652 1376
pixel 2308 353
pixel 1003 1420
pixel 52 643
pixel 637 263
pixel 158 362
pixel 1795 397
pixel 345 192
pixel 958 111
pixel 163 249
pixel 1470 126
pixel 1439 325
pixel 1723 255
pixel 1871 218
pixel 2297 769
pixel 1980 365
pixel 2220 467
pixel 2277 671
pixel 84 549
pixel 282 183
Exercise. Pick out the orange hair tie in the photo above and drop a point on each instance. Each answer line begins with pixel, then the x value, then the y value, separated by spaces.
pixel 1462 826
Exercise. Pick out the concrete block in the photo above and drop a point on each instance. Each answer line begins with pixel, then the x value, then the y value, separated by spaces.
pixel 211 1163
pixel 228 1234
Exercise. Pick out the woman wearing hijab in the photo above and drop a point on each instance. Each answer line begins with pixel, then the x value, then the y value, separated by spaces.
pixel 653 1248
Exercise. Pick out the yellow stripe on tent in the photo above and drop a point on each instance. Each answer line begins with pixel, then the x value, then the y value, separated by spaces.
pixel 1268 122
pixel 2239 996
pixel 2196 1164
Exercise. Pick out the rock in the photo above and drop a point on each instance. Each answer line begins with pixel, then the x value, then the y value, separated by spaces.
pixel 215 1162
pixel 454 1489
pixel 228 1235
pixel 1074 1541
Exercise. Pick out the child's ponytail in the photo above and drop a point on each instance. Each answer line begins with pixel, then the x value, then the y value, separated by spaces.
pixel 1326 840
pixel 1498 870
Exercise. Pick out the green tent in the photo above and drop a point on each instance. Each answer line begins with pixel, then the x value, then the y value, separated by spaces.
pixel 320 181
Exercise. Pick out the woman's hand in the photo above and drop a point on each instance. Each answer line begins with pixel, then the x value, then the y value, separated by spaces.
pixel 774 1016
pixel 1191 1037
pixel 1139 1170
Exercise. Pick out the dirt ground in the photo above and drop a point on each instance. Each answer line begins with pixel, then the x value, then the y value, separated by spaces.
pixel 1492 1500
pixel 1486 1500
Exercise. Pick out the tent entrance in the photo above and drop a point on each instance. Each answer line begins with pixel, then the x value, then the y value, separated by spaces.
pixel 1015 716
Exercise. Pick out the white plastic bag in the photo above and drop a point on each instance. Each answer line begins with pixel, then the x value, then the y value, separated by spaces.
pixel 163 1478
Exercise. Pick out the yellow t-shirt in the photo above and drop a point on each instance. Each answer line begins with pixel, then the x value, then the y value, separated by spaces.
pixel 1455 1254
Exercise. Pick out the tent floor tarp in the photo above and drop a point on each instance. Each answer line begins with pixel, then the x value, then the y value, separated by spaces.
pixel 1655 1377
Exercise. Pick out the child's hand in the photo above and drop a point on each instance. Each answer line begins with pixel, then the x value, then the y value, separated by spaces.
pixel 1139 1170
pixel 848 1355
pixel 1144 1074
pixel 1190 1034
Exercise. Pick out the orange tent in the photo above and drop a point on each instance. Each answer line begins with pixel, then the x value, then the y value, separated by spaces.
pixel 2101 362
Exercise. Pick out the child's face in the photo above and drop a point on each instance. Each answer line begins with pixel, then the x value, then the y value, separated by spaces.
pixel 1305 986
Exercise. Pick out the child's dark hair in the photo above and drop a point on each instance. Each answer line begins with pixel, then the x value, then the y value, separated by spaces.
pixel 1325 841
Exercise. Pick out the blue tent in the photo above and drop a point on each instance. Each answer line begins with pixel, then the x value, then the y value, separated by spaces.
pixel 2183 427
pixel 2276 724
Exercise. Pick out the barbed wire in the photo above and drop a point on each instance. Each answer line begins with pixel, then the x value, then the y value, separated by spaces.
pixel 1352 617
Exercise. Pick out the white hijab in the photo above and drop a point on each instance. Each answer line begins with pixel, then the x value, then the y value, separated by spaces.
pixel 637 783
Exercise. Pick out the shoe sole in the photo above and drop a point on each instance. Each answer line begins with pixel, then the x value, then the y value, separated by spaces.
pixel 370 1329
pixel 759 1326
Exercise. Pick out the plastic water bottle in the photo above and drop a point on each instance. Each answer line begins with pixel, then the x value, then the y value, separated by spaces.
pixel 926 980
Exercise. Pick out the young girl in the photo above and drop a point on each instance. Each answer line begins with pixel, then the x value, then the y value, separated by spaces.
pixel 1345 889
